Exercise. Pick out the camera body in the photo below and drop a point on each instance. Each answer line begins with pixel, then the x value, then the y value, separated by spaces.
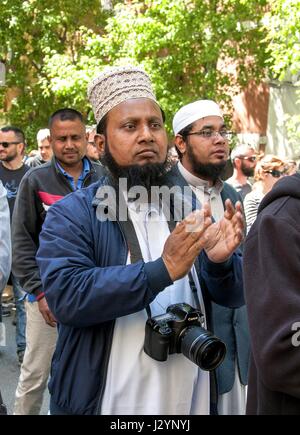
pixel 179 330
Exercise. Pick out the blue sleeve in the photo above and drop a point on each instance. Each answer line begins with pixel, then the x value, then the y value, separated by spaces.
pixel 223 281
pixel 80 288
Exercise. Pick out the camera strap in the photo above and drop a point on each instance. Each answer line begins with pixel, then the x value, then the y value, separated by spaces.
pixel 129 232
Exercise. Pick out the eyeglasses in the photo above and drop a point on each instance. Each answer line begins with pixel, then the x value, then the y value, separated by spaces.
pixel 6 144
pixel 275 173
pixel 207 133
pixel 251 158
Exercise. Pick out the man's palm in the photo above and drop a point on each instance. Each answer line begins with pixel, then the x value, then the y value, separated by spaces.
pixel 225 236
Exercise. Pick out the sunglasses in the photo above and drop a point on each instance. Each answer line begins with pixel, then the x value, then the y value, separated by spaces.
pixel 7 144
pixel 275 173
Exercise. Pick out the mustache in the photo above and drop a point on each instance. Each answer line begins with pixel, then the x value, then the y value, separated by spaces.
pixel 136 175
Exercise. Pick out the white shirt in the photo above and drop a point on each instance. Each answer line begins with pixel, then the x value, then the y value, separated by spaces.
pixel 137 384
pixel 233 402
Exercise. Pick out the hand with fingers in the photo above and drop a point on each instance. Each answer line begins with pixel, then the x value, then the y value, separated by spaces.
pixel 225 236
pixel 186 242
pixel 46 313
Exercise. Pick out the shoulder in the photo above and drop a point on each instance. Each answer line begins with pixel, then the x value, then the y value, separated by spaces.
pixel 81 198
pixel 99 169
pixel 232 181
pixel 230 192
pixel 253 196
pixel 37 171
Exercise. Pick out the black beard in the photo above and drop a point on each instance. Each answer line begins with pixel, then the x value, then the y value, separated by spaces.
pixel 208 171
pixel 136 175
pixel 9 158
pixel 248 172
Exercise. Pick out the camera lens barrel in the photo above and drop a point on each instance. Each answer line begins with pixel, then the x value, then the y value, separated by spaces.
pixel 202 347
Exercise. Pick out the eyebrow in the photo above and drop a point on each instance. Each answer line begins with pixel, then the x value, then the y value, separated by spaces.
pixel 212 126
pixel 138 118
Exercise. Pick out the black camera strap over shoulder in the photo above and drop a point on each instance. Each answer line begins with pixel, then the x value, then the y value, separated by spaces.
pixel 136 253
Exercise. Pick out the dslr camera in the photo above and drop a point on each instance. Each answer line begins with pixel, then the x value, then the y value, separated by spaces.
pixel 179 330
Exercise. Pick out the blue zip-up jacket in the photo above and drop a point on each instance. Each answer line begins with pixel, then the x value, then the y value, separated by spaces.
pixel 88 285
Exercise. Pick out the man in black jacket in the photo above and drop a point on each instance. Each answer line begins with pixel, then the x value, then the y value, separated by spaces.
pixel 271 277
pixel 202 143
pixel 12 170
pixel 68 171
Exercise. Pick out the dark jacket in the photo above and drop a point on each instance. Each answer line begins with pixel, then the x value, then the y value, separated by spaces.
pixel 88 285
pixel 41 187
pixel 272 285
pixel 230 325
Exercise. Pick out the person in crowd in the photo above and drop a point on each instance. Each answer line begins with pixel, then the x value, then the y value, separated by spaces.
pixel 12 170
pixel 67 171
pixel 291 167
pixel 202 143
pixel 271 275
pixel 5 251
pixel 105 275
pixel 267 172
pixel 5 263
pixel 173 155
pixel 243 158
pixel 92 151
pixel 44 149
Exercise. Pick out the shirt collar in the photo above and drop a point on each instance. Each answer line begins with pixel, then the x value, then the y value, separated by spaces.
pixel 199 182
pixel 85 170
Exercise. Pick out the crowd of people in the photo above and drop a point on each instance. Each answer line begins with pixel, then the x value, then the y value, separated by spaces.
pixel 134 297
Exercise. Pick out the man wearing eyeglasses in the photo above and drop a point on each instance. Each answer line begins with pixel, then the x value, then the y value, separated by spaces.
pixel 12 170
pixel 202 143
pixel 243 158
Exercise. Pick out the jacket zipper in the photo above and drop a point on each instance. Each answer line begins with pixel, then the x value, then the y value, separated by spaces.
pixel 101 393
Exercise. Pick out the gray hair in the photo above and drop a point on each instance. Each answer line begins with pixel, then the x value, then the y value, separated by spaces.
pixel 240 151
pixel 42 134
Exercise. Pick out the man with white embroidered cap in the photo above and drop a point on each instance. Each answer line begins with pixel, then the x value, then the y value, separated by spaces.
pixel 101 286
pixel 202 143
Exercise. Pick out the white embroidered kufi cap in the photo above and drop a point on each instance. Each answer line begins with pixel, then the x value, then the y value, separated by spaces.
pixel 117 84
pixel 194 111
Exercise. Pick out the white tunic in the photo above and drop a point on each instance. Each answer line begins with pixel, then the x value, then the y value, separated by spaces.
pixel 233 402
pixel 137 384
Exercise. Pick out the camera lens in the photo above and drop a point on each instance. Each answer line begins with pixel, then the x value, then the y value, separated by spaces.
pixel 202 347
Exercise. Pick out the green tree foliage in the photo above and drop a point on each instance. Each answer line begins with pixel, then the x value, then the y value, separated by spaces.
pixel 35 37
pixel 52 49
pixel 283 30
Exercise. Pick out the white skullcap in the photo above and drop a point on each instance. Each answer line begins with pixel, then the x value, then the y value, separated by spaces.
pixel 194 111
pixel 116 85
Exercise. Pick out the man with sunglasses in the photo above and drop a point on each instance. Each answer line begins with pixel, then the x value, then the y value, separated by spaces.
pixel 243 158
pixel 12 170
pixel 202 143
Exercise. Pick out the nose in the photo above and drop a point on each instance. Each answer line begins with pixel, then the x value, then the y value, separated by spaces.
pixel 218 138
pixel 69 143
pixel 145 134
